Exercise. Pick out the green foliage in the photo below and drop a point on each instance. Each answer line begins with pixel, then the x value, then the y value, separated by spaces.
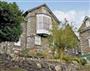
pixel 67 58
pixel 56 56
pixel 71 40
pixel 10 20
pixel 83 61
pixel 79 60
pixel 39 54
pixel 62 38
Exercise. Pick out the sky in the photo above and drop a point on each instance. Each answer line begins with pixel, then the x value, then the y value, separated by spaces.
pixel 73 10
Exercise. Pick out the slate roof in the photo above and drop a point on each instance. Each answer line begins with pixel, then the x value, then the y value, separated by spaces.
pixel 43 5
pixel 82 27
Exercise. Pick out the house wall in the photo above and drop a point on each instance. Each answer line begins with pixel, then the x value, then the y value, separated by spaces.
pixel 29 32
pixel 84 36
pixel 31 29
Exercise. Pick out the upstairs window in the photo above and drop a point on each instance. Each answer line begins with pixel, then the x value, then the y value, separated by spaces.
pixel 87 23
pixel 43 21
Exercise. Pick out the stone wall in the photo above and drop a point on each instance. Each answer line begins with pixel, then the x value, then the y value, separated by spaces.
pixel 6 62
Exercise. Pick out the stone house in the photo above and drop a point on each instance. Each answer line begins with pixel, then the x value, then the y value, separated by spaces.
pixel 36 26
pixel 84 33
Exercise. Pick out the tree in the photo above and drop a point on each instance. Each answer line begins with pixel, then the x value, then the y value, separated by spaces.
pixel 10 19
pixel 71 39
pixel 62 38
pixel 10 22
pixel 56 39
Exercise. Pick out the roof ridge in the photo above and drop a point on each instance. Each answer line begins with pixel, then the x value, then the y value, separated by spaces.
pixel 30 10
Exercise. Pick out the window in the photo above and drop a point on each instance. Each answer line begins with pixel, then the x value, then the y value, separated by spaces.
pixel 40 21
pixel 87 23
pixel 18 43
pixel 43 21
pixel 89 42
pixel 30 41
pixel 37 40
pixel 46 22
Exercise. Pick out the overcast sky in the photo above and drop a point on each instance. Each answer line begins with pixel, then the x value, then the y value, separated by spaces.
pixel 73 10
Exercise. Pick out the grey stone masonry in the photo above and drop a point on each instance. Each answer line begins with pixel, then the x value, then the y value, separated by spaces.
pixel 84 33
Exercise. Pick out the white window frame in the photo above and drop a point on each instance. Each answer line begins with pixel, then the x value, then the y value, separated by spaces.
pixel 42 21
pixel 37 40
pixel 18 43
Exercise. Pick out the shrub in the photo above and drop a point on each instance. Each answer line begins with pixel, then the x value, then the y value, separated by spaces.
pixel 67 58
pixel 40 54
pixel 77 59
pixel 83 61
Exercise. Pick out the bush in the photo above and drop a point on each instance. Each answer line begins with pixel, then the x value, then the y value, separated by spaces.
pixel 67 58
pixel 80 60
pixel 40 55
pixel 56 57
pixel 77 59
pixel 83 61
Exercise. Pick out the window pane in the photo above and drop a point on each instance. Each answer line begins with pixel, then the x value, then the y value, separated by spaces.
pixel 37 40
pixel 46 22
pixel 43 22
pixel 39 21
